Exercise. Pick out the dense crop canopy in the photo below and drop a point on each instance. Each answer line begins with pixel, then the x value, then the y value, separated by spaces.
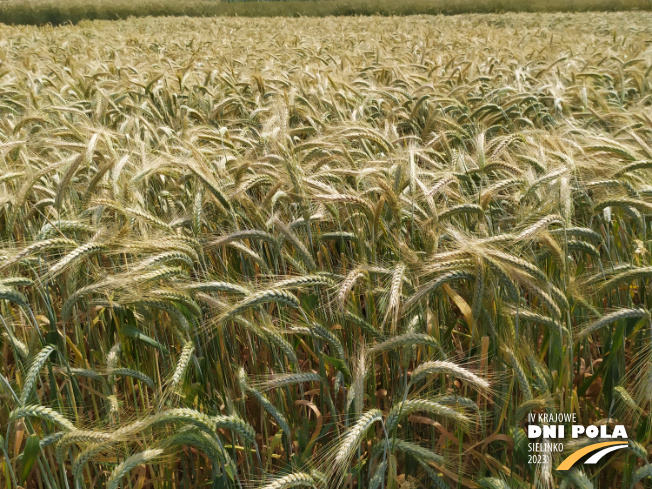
pixel 319 252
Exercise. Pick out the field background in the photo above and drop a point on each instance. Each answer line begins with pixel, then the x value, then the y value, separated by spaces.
pixel 40 12
pixel 323 252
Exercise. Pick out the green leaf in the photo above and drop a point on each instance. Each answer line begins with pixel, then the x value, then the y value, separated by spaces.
pixel 131 331
pixel 276 441
pixel 339 365
pixel 228 470
pixel 31 451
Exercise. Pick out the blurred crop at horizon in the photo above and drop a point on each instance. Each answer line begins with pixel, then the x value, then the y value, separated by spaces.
pixel 56 12
pixel 345 252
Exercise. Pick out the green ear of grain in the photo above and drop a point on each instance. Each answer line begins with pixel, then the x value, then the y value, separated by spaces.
pixel 640 474
pixel 34 370
pixel 437 367
pixel 297 479
pixel 130 463
pixel 493 483
pixel 612 318
pixel 408 407
pixel 263 297
pixel 354 436
pixel 42 412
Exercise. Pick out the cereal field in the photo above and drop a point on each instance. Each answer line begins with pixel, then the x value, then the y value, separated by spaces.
pixel 324 252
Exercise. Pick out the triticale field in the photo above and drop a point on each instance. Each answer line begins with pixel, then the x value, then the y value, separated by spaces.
pixel 324 252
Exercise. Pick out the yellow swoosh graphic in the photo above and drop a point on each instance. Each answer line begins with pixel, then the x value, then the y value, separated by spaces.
pixel 574 457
